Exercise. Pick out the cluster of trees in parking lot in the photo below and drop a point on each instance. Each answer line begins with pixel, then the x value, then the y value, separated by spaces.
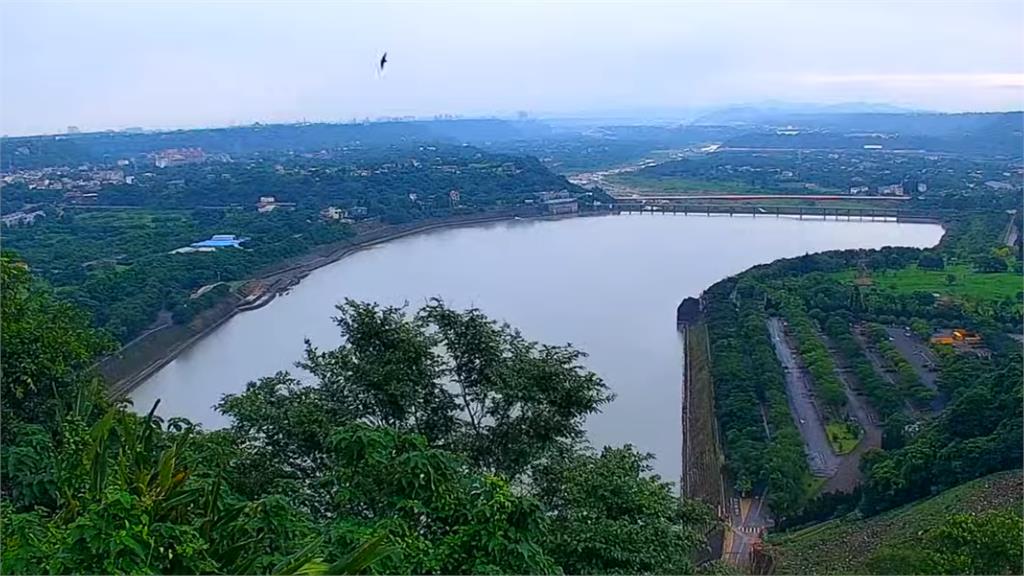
pixel 977 433
pixel 750 396
pixel 907 380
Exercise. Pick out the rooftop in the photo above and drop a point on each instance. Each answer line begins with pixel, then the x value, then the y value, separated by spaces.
pixel 559 200
pixel 220 241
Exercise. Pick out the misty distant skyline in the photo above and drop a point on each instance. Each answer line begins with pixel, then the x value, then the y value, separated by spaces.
pixel 100 65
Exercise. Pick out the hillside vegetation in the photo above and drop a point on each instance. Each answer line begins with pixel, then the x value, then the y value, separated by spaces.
pixel 905 536
pixel 434 442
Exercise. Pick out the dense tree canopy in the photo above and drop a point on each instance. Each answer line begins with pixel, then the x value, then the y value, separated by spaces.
pixel 979 431
pixel 434 442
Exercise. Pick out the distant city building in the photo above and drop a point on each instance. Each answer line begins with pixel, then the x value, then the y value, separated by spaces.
pixel 562 206
pixel 859 189
pixel 357 211
pixel 270 203
pixel 454 197
pixel 333 213
pixel 554 195
pixel 891 190
pixel 177 156
pixel 997 185
pixel 74 130
pixel 108 176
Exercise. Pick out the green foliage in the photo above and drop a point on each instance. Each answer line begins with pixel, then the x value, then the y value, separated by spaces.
pixel 116 261
pixel 843 435
pixel 610 515
pixel 989 264
pixel 371 467
pixel 817 360
pixel 884 397
pixel 964 296
pixel 439 517
pixel 978 433
pixel 813 169
pixel 128 495
pixel 989 543
pixel 931 261
pixel 907 380
pixel 972 528
pixel 47 345
pixel 747 373
pixel 521 400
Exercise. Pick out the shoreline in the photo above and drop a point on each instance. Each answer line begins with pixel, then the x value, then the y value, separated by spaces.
pixel 280 282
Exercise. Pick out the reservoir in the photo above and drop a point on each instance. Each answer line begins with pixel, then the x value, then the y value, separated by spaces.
pixel 608 285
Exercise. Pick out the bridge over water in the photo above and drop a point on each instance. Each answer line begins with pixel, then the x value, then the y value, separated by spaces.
pixel 898 214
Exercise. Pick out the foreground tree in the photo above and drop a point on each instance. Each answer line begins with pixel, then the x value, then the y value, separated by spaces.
pixel 440 442
pixel 609 514
pixel 47 346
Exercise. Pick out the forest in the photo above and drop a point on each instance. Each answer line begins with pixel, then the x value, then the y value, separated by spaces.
pixel 977 433
pixel 112 256
pixel 430 441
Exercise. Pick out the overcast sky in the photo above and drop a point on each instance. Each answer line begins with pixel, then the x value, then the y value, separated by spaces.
pixel 181 64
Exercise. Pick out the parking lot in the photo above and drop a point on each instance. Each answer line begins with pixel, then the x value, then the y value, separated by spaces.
pixel 920 357
pixel 820 457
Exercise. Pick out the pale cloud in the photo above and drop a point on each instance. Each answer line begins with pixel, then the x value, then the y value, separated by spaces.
pixel 175 63
pixel 980 80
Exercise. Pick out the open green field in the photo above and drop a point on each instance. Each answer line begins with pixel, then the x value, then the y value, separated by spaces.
pixel 843 436
pixel 967 283
pixel 644 185
pixel 844 545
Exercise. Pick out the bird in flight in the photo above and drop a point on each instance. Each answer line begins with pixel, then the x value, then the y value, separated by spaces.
pixel 383 61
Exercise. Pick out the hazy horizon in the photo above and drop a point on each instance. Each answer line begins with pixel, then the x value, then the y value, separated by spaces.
pixel 161 65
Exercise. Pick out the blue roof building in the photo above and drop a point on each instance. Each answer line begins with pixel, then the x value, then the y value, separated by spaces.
pixel 220 241
pixel 216 241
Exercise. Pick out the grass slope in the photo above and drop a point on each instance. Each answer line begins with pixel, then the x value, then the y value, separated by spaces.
pixel 842 546
pixel 967 283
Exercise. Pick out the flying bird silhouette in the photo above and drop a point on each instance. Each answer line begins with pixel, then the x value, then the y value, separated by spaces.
pixel 383 61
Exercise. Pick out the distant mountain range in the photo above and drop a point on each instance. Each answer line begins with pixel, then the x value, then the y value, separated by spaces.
pixel 732 114
pixel 771 112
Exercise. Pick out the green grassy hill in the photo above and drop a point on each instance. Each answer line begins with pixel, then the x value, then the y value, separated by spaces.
pixel 848 545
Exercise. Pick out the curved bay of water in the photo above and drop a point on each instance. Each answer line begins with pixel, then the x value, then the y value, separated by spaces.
pixel 607 285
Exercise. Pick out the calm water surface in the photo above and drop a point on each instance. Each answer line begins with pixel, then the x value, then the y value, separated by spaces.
pixel 608 285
